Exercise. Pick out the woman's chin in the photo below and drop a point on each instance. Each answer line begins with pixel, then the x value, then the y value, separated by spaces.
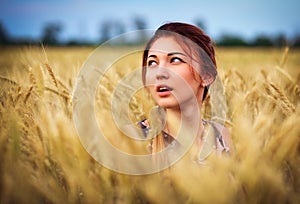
pixel 167 104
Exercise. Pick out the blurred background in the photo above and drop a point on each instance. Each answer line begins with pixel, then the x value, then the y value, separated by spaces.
pixel 42 157
pixel 91 22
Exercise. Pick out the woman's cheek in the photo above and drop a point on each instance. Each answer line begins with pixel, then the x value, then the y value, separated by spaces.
pixel 149 78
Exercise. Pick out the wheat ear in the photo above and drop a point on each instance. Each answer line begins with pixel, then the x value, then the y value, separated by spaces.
pixel 28 94
pixel 9 81
pixel 278 94
pixel 32 78
pixel 52 75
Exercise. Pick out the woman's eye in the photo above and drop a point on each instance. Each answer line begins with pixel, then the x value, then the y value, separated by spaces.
pixel 176 60
pixel 152 63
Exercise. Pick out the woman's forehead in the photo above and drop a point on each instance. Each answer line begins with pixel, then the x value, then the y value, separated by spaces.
pixel 165 45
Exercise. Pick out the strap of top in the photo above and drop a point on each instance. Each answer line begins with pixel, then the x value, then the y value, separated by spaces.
pixel 213 140
pixel 219 137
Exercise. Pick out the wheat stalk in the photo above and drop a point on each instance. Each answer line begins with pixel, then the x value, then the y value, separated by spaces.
pixel 63 85
pixel 240 76
pixel 137 109
pixel 279 96
pixel 64 95
pixel 28 94
pixel 284 73
pixel 32 78
pixel 283 97
pixel 9 81
pixel 52 75
pixel 264 74
pixel 19 93
pixel 284 56
pixel 297 90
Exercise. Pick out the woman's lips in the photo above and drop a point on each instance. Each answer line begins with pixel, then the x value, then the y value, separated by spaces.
pixel 163 90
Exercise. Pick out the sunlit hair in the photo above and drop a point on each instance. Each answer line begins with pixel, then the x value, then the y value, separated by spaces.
pixel 189 37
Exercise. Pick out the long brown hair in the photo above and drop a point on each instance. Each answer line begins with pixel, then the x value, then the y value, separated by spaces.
pixel 184 33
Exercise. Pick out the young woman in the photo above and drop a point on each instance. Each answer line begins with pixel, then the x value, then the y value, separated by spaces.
pixel 178 67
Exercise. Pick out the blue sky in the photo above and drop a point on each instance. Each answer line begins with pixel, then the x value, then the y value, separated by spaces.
pixel 82 18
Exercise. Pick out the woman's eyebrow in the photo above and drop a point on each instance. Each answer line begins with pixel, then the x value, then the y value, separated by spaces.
pixel 169 54
pixel 152 56
pixel 176 53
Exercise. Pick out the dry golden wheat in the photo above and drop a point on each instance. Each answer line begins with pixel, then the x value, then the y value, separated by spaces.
pixel 43 161
pixel 28 94
pixel 280 98
pixel 52 75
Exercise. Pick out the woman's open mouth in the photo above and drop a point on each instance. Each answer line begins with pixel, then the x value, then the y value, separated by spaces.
pixel 164 90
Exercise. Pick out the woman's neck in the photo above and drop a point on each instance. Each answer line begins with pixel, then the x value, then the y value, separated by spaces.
pixel 188 118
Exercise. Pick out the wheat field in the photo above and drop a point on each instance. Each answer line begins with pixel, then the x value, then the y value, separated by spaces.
pixel 43 161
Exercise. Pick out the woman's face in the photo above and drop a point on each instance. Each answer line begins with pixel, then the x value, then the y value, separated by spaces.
pixel 168 74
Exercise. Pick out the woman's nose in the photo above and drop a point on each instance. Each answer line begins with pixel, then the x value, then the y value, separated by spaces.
pixel 162 73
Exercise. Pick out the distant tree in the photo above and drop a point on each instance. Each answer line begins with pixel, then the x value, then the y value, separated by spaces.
pixel 232 40
pixel 280 40
pixel 110 28
pixel 296 41
pixel 73 42
pixel 262 40
pixel 4 38
pixel 51 32
pixel 200 23
pixel 140 24
pixel 105 31
pixel 119 29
